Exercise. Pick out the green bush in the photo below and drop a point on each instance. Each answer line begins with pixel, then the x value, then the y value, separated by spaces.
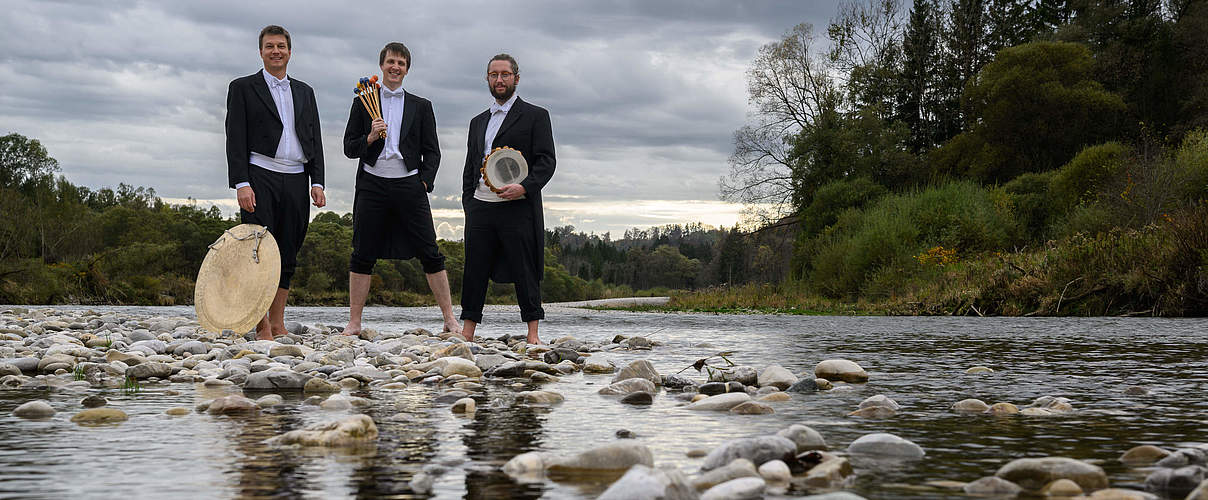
pixel 1088 174
pixel 958 216
pixel 1190 167
pixel 1031 203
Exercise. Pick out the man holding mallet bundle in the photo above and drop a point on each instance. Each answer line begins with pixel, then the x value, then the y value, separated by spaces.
pixel 275 158
pixel 392 134
pixel 505 230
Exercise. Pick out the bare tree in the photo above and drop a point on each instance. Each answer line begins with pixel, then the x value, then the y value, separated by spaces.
pixel 789 85
pixel 865 33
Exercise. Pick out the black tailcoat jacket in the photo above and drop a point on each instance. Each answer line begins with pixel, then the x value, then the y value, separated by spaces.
pixel 527 128
pixel 252 125
pixel 418 145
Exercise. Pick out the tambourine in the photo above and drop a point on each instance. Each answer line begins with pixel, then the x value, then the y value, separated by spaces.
pixel 502 167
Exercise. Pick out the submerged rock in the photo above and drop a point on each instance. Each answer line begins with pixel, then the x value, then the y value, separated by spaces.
pixel 639 369
pixel 842 370
pixel 736 489
pixel 34 410
pixel 1143 455
pixel 886 445
pixel 627 386
pixel 756 449
pixel 352 431
pixel 644 483
pixel 1033 473
pixel 720 402
pixel 992 486
pixel 97 416
pixel 612 457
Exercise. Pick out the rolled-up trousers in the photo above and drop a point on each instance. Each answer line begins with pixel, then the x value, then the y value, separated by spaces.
pixel 283 206
pixel 500 234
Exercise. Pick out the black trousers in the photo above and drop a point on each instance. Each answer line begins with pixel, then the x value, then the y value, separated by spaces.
pixel 283 206
pixel 500 234
pixel 392 219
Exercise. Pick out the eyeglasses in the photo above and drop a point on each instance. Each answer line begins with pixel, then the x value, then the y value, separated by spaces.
pixel 500 76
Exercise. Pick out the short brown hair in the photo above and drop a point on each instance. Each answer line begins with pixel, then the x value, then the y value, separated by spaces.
pixel 508 58
pixel 397 48
pixel 273 29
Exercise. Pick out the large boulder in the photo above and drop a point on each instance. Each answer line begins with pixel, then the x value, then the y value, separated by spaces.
pixel 276 380
pixel 720 402
pixel 777 376
pixel 842 370
pixel 885 445
pixel 612 457
pixel 644 483
pixel 1033 473
pixel 350 432
pixel 757 449
pixel 639 369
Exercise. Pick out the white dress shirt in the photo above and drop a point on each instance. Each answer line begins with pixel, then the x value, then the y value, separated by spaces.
pixel 390 163
pixel 289 158
pixel 498 113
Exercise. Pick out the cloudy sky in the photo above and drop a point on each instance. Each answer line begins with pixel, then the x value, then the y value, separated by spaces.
pixel 645 95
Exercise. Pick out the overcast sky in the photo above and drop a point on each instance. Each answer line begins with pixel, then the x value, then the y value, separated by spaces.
pixel 644 95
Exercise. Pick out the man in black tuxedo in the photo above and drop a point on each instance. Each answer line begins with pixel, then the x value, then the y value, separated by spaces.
pixel 391 215
pixel 505 231
pixel 274 158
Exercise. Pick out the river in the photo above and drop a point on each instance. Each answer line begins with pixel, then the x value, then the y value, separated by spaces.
pixel 918 361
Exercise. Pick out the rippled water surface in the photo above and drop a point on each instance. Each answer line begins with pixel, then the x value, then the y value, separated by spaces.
pixel 919 362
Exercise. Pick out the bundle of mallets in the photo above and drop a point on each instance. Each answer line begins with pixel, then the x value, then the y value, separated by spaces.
pixel 367 91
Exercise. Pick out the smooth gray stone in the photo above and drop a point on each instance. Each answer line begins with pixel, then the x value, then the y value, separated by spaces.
pixel 638 398
pixel 1176 483
pixel 804 385
pixel 34 410
pixel 628 386
pixel 639 369
pixel 712 388
pixel 276 380
pixel 743 488
pixel 885 444
pixel 148 370
pixel 757 449
pixel 644 483
pixel 192 347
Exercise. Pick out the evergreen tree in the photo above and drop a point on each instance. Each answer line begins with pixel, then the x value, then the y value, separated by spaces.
pixel 967 52
pixel 917 92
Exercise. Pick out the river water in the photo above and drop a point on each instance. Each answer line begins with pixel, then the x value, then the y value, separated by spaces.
pixel 919 362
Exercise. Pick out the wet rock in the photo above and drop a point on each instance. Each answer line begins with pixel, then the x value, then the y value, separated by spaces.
pixel 775 471
pixel 756 449
pixel 751 408
pixel 638 343
pixel 177 411
pixel 804 437
pixel 611 457
pixel 644 483
pixel 98 416
pixel 873 412
pixel 1184 456
pixel 465 405
pixel 1061 488
pixel 835 495
pixel 48 364
pixel 1053 404
pixel 744 375
pixel 979 369
pixel 350 432
pixel 1175 482
pixel 276 380
pixel 638 398
pixel 970 406
pixel 94 401
pixel 720 402
pixel 34 410
pixel 129 359
pixel 455 350
pixel 558 355
pixel 639 369
pixel 842 370
pixel 9 369
pixel 485 362
pixel 739 467
pixel 830 474
pixel 1143 455
pixel 336 402
pixel 232 405
pixel 270 400
pixel 803 385
pixel 529 464
pixel 712 388
pixel 1036 412
pixel 1033 473
pixel 1002 409
pixel 596 367
pixel 992 486
pixel 540 397
pixel 147 370
pixel 624 434
pixel 775 397
pixel 880 400
pixel 460 366
pixel 676 382
pixel 508 370
pixel 294 351
pixel 885 445
pixel 776 376
pixel 191 347
pixel 543 378
pixel 736 489
pixel 1200 492
pixel 1120 494
pixel 318 385
pixel 628 386
pixel 363 374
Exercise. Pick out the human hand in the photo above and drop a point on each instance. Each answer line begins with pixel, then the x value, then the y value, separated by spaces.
pixel 377 130
pixel 511 191
pixel 317 195
pixel 246 198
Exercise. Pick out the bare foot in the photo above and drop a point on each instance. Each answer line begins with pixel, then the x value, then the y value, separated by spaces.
pixel 264 334
pixel 352 330
pixel 452 326
pixel 281 332
pixel 534 341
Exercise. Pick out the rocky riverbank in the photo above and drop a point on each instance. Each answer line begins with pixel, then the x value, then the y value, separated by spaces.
pixel 94 354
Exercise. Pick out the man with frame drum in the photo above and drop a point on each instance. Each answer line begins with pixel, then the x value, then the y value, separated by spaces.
pixel 275 158
pixel 392 218
pixel 505 229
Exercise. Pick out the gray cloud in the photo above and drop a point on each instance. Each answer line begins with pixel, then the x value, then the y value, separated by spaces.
pixel 644 96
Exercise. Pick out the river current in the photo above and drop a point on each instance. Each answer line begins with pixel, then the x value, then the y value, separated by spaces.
pixel 919 362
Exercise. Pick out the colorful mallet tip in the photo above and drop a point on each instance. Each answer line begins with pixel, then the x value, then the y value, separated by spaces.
pixel 373 79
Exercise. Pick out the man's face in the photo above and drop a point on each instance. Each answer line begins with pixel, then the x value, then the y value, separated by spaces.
pixel 501 80
pixel 394 68
pixel 274 50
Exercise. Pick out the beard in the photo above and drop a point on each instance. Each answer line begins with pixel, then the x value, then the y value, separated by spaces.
pixel 508 90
